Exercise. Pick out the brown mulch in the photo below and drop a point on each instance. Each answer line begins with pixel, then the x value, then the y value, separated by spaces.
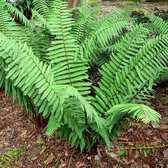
pixel 38 151
pixel 148 6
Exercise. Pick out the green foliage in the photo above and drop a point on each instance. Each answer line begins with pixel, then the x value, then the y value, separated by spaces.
pixel 45 62
pixel 6 158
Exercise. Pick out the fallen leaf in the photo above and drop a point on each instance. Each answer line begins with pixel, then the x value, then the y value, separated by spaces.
pixel 164 136
pixel 165 153
pixel 146 166
pixel 49 159
pixel 62 165
pixel 79 165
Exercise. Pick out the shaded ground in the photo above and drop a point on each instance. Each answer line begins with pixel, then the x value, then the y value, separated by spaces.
pixel 149 6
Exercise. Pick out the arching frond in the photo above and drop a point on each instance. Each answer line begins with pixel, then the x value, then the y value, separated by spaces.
pixel 143 68
pixel 39 85
pixel 127 46
pixel 42 7
pixel 99 39
pixel 7 25
pixel 158 25
pixel 19 15
pixel 138 111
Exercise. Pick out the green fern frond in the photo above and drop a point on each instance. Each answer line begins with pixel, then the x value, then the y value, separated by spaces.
pixel 7 25
pixel 99 39
pixel 144 66
pixel 138 111
pixel 103 31
pixel 42 7
pixel 127 46
pixel 19 15
pixel 61 53
pixel 158 25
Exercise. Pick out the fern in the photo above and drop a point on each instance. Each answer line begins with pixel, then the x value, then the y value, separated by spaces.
pixel 139 111
pixel 158 25
pixel 63 47
pixel 7 25
pixel 128 45
pixel 44 64
pixel 38 85
pixel 144 67
pixel 99 39
pixel 19 15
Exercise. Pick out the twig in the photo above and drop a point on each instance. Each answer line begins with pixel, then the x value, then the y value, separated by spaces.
pixel 144 147
pixel 70 160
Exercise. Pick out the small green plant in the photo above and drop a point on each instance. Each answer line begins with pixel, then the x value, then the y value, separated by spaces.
pixel 6 158
pixel 46 63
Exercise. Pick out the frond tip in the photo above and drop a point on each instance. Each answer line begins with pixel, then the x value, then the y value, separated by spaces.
pixel 138 111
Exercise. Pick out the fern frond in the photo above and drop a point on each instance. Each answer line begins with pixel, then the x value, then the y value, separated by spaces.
pixel 19 15
pixel 7 25
pixel 103 31
pixel 42 7
pixel 138 111
pixel 61 53
pixel 99 39
pixel 127 46
pixel 158 25
pixel 143 68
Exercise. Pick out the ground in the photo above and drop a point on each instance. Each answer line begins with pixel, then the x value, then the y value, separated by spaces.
pixel 139 146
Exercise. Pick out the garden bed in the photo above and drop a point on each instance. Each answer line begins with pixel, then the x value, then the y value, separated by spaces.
pixel 25 146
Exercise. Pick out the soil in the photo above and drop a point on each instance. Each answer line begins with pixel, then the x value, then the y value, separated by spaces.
pixel 148 6
pixel 139 146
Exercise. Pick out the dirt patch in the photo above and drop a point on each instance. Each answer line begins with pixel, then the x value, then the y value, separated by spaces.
pixel 148 6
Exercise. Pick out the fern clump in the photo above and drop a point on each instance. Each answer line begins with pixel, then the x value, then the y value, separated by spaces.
pixel 45 64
